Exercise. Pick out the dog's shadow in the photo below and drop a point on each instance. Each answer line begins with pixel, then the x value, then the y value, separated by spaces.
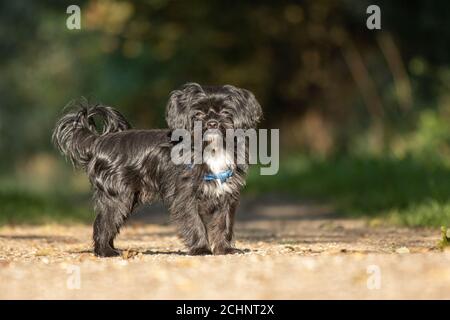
pixel 165 252
pixel 152 252
pixel 146 252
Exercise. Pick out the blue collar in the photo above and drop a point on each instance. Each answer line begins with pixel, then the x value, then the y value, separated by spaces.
pixel 222 176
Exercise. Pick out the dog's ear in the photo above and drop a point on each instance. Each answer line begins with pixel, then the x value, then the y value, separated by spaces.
pixel 180 102
pixel 248 110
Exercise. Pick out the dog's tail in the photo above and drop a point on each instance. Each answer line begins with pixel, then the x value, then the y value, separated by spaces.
pixel 75 133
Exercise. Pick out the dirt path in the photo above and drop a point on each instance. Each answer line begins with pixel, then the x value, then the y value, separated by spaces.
pixel 294 251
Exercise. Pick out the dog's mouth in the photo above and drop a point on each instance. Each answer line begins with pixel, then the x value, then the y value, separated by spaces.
pixel 212 135
pixel 213 139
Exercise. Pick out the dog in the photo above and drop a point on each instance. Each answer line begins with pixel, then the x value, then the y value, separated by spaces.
pixel 128 167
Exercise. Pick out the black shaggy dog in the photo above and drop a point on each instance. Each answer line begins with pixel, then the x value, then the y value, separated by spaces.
pixel 129 167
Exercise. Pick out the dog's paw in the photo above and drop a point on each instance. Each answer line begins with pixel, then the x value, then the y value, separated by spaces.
pixel 201 251
pixel 227 250
pixel 107 252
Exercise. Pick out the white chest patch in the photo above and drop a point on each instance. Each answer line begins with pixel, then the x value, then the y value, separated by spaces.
pixel 217 160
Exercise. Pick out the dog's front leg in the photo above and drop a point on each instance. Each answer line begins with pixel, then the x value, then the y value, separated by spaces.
pixel 191 228
pixel 220 229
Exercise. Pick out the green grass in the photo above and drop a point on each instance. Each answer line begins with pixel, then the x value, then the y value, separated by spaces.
pixel 404 191
pixel 445 237
pixel 19 207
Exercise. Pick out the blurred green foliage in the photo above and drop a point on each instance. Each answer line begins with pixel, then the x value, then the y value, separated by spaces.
pixel 403 191
pixel 408 183
pixel 362 114
pixel 19 206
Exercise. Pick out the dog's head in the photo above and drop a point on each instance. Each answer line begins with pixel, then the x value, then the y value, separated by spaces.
pixel 216 107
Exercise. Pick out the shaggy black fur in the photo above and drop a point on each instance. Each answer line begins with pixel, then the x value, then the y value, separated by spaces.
pixel 129 167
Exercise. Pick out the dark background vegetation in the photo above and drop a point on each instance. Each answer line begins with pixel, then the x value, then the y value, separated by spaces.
pixel 363 115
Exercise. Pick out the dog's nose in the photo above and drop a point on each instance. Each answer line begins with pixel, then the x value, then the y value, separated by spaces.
pixel 212 124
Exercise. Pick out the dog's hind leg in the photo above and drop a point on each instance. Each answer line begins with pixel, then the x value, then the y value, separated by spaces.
pixel 111 214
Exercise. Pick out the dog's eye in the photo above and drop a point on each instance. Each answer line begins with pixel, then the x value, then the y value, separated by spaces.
pixel 199 114
pixel 225 113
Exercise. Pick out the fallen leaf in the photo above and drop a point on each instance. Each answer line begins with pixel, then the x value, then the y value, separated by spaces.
pixel 127 254
pixel 44 252
pixel 402 250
